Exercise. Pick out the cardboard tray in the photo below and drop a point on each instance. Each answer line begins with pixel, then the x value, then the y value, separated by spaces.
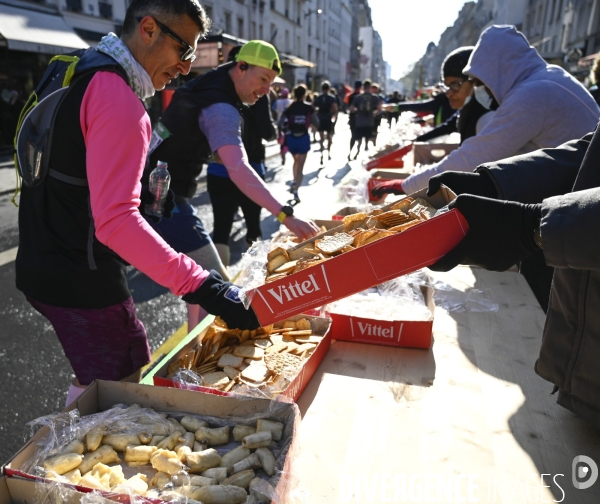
pixel 103 395
pixel 397 333
pixel 320 325
pixel 25 491
pixel 364 267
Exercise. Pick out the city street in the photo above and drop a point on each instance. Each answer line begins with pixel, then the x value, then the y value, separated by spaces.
pixel 35 372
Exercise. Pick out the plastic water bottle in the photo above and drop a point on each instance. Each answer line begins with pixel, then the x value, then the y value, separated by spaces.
pixel 160 178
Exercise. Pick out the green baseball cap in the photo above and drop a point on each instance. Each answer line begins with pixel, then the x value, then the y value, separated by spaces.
pixel 260 53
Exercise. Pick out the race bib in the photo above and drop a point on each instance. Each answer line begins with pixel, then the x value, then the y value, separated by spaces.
pixel 159 135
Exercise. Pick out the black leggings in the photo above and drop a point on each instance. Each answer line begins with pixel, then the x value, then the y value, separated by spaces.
pixel 226 198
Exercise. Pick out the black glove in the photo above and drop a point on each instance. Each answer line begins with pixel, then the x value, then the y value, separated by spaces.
pixel 478 184
pixel 500 234
pixel 147 198
pixel 387 187
pixel 219 297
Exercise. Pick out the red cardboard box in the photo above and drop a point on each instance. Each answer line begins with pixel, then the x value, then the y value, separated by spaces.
pixel 321 326
pixel 362 268
pixel 398 333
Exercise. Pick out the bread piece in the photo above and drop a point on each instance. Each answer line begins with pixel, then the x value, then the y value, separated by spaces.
pixel 276 348
pixel 262 343
pixel 301 253
pixel 302 332
pixel 404 227
pixel 249 352
pixel 274 278
pixel 215 380
pixel 302 324
pixel 231 372
pixel 403 204
pixel 256 373
pixel 331 244
pixel 354 217
pixel 378 236
pixel 359 239
pixel 230 360
pixel 313 338
pixel 283 364
pixel 276 252
pixel 285 268
pixel 306 263
pixel 351 226
pixel 300 349
pixel 276 262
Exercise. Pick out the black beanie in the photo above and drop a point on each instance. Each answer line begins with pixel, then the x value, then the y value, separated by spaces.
pixel 456 61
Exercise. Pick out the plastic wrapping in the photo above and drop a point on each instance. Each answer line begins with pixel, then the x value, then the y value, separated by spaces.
pixel 353 189
pixel 253 270
pixel 398 299
pixel 450 299
pixel 278 422
pixel 57 493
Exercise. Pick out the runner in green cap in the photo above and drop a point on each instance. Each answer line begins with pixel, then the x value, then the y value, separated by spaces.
pixel 260 53
pixel 203 124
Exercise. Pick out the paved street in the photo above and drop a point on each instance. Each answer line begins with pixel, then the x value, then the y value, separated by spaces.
pixel 34 372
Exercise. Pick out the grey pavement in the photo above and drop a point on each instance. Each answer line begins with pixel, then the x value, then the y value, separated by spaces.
pixel 7 176
pixel 34 372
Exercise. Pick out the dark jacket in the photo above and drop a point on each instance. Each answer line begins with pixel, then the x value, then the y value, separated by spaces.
pixel 187 149
pixel 257 126
pixel 567 181
pixel 464 121
pixel 438 106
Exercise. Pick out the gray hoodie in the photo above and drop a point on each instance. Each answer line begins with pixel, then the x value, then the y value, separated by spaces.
pixel 540 105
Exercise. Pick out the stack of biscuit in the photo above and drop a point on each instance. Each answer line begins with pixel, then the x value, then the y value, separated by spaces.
pixel 359 229
pixel 268 358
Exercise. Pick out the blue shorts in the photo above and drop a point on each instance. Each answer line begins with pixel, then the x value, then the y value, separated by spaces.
pixel 184 232
pixel 297 145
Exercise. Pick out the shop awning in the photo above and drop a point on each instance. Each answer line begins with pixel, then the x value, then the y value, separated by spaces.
pixel 34 31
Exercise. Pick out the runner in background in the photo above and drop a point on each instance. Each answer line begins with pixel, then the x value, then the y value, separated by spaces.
pixel 393 116
pixel 352 115
pixel 378 117
pixel 366 106
pixel 327 110
pixel 338 102
pixel 278 107
pixel 297 119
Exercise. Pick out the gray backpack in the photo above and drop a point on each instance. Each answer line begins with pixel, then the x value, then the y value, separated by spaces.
pixel 33 138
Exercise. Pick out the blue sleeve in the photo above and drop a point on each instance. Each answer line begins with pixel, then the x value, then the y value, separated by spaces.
pixel 222 125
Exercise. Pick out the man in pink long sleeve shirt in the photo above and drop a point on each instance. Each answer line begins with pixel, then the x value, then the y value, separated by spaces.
pixel 75 240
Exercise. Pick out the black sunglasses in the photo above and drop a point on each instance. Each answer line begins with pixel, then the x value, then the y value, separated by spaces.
pixel 454 86
pixel 189 53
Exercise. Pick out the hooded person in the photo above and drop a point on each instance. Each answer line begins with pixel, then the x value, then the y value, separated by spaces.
pixel 539 106
pixel 468 119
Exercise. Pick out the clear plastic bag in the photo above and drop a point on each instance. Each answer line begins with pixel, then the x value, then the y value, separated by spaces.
pixel 253 270
pixel 283 418
pixel 353 189
pixel 69 427
pixel 450 299
pixel 397 299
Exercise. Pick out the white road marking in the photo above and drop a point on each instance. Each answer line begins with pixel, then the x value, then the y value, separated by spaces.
pixel 8 256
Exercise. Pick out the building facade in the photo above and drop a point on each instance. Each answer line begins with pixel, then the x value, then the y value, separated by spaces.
pixel 317 39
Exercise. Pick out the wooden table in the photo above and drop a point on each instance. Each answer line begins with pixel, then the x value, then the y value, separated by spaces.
pixel 470 413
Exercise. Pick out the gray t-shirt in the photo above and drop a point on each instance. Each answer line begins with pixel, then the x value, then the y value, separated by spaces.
pixel 366 104
pixel 222 125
